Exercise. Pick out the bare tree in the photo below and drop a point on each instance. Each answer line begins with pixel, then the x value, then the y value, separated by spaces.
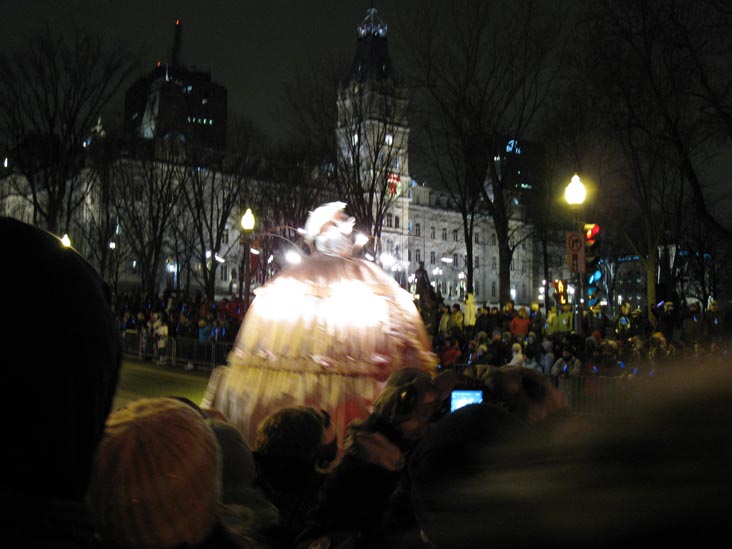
pixel 51 94
pixel 148 189
pixel 217 184
pixel 482 71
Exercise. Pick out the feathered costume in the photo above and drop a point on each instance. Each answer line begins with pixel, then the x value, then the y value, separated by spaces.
pixel 324 333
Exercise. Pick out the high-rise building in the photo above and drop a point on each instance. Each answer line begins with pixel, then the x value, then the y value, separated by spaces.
pixel 173 100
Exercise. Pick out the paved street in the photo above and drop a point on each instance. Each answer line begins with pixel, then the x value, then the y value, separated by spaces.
pixel 148 379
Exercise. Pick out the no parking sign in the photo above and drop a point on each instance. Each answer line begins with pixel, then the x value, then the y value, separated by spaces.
pixel 575 252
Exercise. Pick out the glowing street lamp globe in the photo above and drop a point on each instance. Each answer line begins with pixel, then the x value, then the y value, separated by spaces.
pixel 247 220
pixel 575 192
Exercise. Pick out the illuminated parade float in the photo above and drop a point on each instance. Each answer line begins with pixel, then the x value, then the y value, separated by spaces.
pixel 326 333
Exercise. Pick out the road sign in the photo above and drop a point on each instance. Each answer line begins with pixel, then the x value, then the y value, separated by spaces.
pixel 576 252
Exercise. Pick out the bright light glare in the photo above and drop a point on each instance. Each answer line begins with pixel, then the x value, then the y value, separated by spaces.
pixel 446 260
pixel 361 239
pixel 575 192
pixel 293 257
pixel 387 260
pixel 112 245
pixel 66 241
pixel 247 220
pixel 220 259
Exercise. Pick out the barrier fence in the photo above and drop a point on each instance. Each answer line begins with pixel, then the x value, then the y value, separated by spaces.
pixel 186 352
pixel 592 395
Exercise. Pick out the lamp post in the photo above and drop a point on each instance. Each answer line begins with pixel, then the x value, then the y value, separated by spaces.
pixel 575 195
pixel 247 225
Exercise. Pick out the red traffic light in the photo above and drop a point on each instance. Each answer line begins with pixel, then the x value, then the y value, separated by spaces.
pixel 591 232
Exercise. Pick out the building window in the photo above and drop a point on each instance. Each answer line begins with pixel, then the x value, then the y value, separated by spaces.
pixel 396 221
pixel 513 266
pixel 418 229
pixel 418 255
pixel 225 237
pixel 390 245
pixel 493 263
pixel 432 233
pixel 523 291
pixel 389 220
pixel 476 262
pixel 455 235
pixel 456 260
pixel 224 273
pixel 493 288
pixel 409 254
pixel 477 238
pixel 433 257
pixel 493 239
pixel 355 139
pixel 444 233
pixel 523 266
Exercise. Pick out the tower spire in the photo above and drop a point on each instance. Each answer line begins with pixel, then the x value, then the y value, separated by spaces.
pixel 177 39
pixel 372 24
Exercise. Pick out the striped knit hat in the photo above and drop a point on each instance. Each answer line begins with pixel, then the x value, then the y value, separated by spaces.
pixel 157 479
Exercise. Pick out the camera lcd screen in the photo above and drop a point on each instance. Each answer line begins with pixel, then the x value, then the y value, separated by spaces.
pixel 460 398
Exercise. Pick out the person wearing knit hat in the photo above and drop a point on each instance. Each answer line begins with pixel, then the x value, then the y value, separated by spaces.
pixel 157 476
pixel 64 385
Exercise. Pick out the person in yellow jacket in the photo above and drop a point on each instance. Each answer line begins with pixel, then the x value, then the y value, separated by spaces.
pixel 470 315
pixel 457 318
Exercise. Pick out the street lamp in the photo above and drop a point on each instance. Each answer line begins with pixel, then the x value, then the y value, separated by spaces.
pixel 575 195
pixel 575 192
pixel 247 225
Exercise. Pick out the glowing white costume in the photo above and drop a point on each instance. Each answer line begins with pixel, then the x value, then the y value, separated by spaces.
pixel 325 333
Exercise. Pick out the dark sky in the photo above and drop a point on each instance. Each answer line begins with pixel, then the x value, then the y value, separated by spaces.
pixel 253 47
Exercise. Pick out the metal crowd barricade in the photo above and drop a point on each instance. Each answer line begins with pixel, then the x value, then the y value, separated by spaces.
pixel 181 351
pixel 603 396
pixel 596 395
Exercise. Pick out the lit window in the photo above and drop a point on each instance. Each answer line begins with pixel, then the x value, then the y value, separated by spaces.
pixel 389 139
pixel 355 139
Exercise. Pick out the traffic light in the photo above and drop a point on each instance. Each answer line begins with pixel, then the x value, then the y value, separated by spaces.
pixel 560 293
pixel 592 263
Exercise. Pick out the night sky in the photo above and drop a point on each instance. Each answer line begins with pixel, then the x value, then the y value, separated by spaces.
pixel 253 47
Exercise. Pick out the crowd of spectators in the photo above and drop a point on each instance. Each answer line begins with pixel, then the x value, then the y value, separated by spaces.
pixel 154 320
pixel 626 345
